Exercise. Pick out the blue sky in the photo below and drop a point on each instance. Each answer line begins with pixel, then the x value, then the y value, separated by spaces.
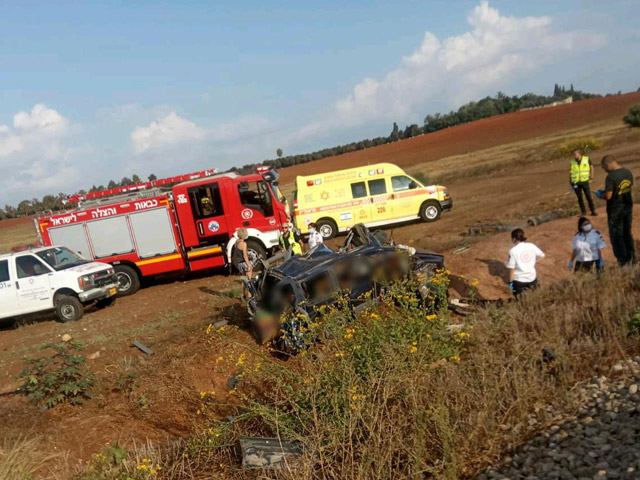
pixel 96 90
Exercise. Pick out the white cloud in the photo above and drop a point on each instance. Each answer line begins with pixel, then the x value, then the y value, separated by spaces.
pixel 33 157
pixel 496 50
pixel 167 131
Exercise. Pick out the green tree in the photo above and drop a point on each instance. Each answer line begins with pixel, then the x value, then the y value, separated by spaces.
pixel 279 153
pixel 152 177
pixel 126 181
pixel 136 179
pixel 112 184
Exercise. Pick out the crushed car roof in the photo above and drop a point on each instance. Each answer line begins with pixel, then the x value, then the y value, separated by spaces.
pixel 304 266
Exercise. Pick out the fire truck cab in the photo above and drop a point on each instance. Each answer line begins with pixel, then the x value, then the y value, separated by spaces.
pixel 150 231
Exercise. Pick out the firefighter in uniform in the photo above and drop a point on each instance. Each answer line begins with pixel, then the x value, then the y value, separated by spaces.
pixel 581 175
pixel 290 239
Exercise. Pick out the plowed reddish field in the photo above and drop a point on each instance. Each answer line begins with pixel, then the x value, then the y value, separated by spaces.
pixel 478 135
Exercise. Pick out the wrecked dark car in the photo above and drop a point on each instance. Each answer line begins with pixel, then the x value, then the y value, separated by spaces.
pixel 286 298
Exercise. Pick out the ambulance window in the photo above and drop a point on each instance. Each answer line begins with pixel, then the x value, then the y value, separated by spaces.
pixel 377 187
pixel 4 271
pixel 206 201
pixel 402 182
pixel 358 190
pixel 29 266
pixel 256 196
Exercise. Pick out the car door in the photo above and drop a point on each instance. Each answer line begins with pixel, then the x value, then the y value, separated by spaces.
pixel 33 284
pixel 406 198
pixel 209 213
pixel 256 205
pixel 8 298
pixel 380 204
pixel 361 202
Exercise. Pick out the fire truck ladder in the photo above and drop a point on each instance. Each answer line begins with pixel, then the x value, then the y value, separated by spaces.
pixel 137 188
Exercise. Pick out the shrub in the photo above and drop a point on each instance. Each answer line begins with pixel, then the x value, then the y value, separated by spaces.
pixel 58 378
pixel 633 117
pixel 586 144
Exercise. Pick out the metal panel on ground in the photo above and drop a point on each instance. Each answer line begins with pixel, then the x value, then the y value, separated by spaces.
pixel 110 236
pixel 153 233
pixel 73 237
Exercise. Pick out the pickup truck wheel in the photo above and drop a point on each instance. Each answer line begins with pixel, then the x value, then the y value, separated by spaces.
pixel 68 308
pixel 256 252
pixel 430 211
pixel 128 280
pixel 106 302
pixel 327 228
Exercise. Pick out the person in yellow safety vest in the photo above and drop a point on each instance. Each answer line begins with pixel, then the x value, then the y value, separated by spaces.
pixel 291 239
pixel 580 176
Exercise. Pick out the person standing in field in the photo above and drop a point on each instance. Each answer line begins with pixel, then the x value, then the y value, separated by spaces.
pixel 315 238
pixel 587 248
pixel 290 239
pixel 522 263
pixel 239 258
pixel 617 193
pixel 581 174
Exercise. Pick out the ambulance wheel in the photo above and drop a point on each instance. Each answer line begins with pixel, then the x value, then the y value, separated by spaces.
pixel 68 308
pixel 256 252
pixel 128 280
pixel 430 211
pixel 327 228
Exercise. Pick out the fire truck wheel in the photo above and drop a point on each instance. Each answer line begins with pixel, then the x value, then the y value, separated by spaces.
pixel 327 228
pixel 106 302
pixel 256 252
pixel 68 308
pixel 430 211
pixel 128 280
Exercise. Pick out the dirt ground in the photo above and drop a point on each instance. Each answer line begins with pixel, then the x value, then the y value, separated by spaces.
pixel 155 397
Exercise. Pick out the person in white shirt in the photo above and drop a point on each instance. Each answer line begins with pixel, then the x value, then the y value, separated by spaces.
pixel 522 263
pixel 315 238
pixel 587 248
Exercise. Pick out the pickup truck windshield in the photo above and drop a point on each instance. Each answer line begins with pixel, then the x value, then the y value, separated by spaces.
pixel 61 258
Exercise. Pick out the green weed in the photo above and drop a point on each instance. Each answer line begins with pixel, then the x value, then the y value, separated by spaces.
pixel 61 377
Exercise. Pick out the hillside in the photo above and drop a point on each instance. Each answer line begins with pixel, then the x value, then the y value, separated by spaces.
pixel 478 135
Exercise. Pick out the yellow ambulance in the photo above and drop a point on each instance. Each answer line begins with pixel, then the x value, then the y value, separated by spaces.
pixel 375 195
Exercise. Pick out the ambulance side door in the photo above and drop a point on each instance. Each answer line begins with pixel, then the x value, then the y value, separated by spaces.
pixel 8 297
pixel 380 203
pixel 361 202
pixel 405 194
pixel 208 213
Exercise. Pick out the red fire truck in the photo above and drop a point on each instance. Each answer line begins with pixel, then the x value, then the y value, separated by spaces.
pixel 153 227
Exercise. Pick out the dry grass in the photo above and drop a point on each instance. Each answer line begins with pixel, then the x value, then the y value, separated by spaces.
pixel 416 417
pixel 22 459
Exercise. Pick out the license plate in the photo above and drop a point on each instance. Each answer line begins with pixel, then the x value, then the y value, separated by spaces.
pixel 113 291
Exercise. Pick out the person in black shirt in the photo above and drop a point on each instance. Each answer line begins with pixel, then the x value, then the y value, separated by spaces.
pixel 617 193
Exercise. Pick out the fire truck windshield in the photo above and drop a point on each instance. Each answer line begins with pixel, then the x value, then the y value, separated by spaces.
pixel 61 258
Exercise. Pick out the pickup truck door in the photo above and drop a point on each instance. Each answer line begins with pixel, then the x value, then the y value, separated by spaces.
pixel 8 297
pixel 33 284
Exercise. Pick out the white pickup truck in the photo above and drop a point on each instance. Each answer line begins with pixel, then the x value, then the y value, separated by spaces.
pixel 48 278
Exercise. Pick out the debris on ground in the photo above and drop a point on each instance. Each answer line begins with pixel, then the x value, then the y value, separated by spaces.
pixel 66 337
pixel 258 452
pixel 142 347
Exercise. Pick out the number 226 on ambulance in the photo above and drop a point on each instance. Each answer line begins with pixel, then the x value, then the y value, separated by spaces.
pixel 376 195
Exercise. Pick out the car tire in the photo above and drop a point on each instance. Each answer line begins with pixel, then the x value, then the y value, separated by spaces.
pixel 256 252
pixel 106 302
pixel 68 308
pixel 128 280
pixel 430 211
pixel 327 228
